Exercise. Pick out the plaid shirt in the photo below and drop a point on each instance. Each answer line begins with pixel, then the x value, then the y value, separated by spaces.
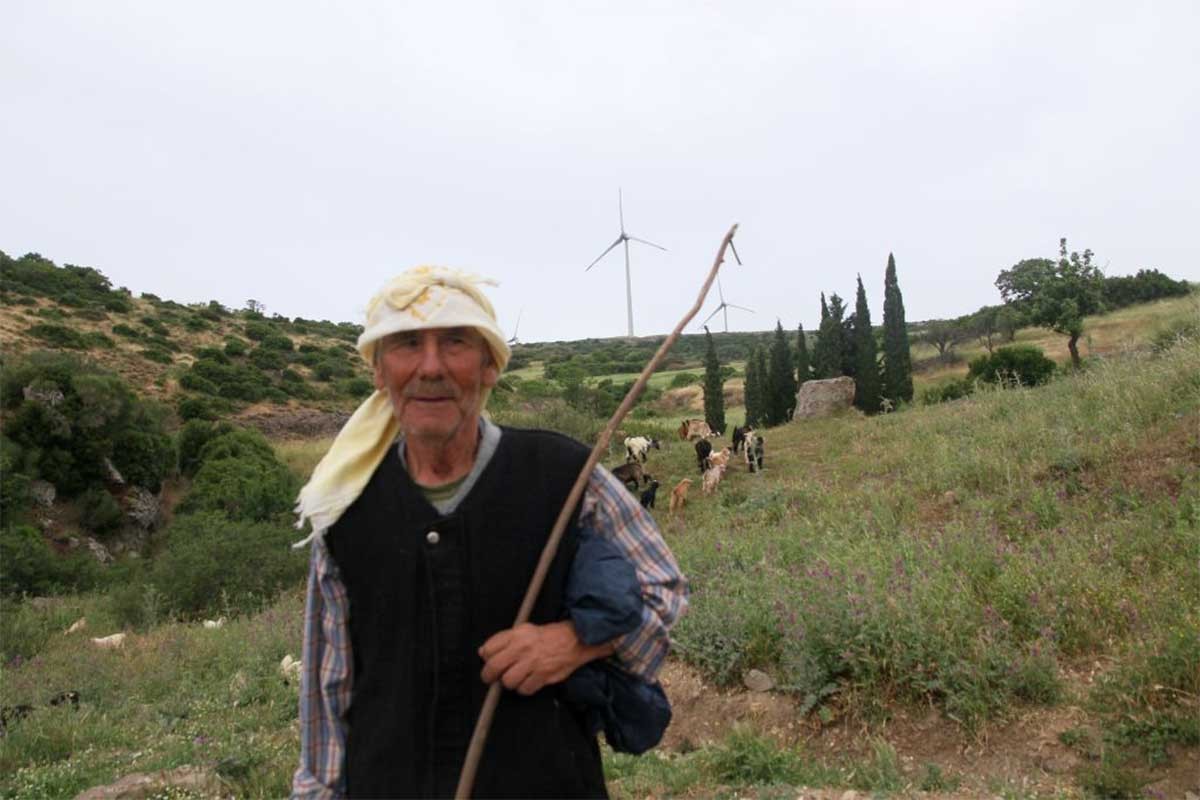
pixel 608 510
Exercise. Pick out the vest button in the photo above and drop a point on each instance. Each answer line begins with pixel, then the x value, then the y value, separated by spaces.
pixel 433 537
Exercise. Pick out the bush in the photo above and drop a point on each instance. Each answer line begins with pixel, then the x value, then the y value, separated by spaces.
pixel 266 359
pixel 1174 332
pixel 209 408
pixel 99 511
pixel 1015 365
pixel 197 383
pixel 950 390
pixel 121 329
pixel 94 339
pixel 357 388
pixel 58 336
pixel 14 486
pixel 214 566
pixel 277 341
pixel 193 436
pixel 157 355
pixel 28 565
pixel 257 331
pixel 144 457
pixel 240 476
pixel 213 354
pixel 681 379
pixel 235 347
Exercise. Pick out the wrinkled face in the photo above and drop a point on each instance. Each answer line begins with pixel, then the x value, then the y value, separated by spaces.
pixel 435 379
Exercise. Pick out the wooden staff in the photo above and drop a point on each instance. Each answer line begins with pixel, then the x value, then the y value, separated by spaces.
pixel 466 779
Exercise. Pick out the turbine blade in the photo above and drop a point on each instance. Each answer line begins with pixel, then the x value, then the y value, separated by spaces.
pixel 710 316
pixel 743 308
pixel 606 252
pixel 735 253
pixel 643 241
pixel 621 210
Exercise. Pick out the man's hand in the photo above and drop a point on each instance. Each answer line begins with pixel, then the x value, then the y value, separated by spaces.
pixel 528 657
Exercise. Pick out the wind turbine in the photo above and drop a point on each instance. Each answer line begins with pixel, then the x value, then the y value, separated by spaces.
pixel 624 239
pixel 516 327
pixel 723 306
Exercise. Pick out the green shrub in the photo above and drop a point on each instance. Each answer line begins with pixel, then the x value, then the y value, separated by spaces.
pixel 197 383
pixel 155 325
pixel 99 511
pixel 266 359
pixel 196 323
pixel 58 336
pixel 239 476
pixel 28 565
pixel 157 355
pixel 950 390
pixel 1015 365
pixel 14 486
pixel 257 330
pixel 357 388
pixel 117 303
pixel 92 314
pixel 193 436
pixel 144 457
pixel 209 408
pixel 121 329
pixel 214 565
pixel 277 341
pixel 235 347
pixel 681 379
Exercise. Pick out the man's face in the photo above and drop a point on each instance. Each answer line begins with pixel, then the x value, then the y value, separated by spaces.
pixel 435 379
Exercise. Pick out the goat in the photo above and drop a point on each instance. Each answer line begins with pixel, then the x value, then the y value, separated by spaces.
pixel 713 477
pixel 739 437
pixel 703 451
pixel 78 625
pixel 694 429
pixel 214 623
pixel 679 496
pixel 636 447
pixel 719 458
pixel 754 452
pixel 110 642
pixel 289 668
pixel 647 498
pixel 631 473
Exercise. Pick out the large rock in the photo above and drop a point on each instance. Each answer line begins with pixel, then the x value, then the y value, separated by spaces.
pixel 192 780
pixel 822 398
pixel 42 493
pixel 142 507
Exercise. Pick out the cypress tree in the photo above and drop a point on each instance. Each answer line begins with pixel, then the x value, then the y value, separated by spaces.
pixel 760 378
pixel 897 360
pixel 714 391
pixel 827 355
pixel 781 385
pixel 753 404
pixel 802 367
pixel 866 378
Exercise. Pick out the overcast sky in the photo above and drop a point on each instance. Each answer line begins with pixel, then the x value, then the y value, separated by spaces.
pixel 300 153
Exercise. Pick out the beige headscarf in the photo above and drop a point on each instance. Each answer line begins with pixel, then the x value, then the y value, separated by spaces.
pixel 422 297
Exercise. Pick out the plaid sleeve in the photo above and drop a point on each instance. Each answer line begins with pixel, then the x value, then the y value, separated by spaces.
pixel 610 511
pixel 325 680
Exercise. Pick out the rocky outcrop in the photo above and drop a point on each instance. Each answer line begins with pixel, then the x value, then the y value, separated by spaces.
pixel 297 423
pixel 192 780
pixel 824 397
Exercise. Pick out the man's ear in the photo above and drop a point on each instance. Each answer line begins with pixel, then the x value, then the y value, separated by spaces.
pixel 491 374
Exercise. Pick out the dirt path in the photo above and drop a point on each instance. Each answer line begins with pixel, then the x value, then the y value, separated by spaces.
pixel 1022 754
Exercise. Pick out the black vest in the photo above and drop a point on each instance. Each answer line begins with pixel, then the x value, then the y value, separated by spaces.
pixel 425 591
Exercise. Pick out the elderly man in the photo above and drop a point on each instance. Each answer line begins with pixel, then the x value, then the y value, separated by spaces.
pixel 428 520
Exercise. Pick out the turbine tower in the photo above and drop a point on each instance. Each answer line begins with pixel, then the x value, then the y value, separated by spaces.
pixel 624 239
pixel 516 327
pixel 723 306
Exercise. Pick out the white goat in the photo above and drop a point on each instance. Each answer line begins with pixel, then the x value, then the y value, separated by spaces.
pixel 110 642
pixel 712 478
pixel 636 447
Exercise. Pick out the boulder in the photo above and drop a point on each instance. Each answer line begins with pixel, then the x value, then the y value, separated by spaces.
pixel 142 506
pixel 758 681
pixel 42 493
pixel 824 397
pixel 192 780
pixel 98 551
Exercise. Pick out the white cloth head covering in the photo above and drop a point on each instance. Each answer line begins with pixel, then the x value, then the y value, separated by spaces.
pixel 421 298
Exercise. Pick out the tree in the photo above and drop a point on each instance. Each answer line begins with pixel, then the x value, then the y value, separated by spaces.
pixel 803 370
pixel 866 373
pixel 992 324
pixel 781 385
pixel 897 360
pixel 753 397
pixel 827 355
pixel 255 308
pixel 760 381
pixel 1056 294
pixel 944 334
pixel 714 391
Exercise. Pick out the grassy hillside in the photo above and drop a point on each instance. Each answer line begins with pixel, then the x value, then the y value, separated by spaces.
pixel 983 560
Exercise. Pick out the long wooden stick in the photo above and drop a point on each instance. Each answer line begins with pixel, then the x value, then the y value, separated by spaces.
pixel 466 779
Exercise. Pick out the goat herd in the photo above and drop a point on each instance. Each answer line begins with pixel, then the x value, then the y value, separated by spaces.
pixel 712 464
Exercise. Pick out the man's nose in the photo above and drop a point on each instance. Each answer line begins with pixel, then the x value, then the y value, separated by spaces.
pixel 431 357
